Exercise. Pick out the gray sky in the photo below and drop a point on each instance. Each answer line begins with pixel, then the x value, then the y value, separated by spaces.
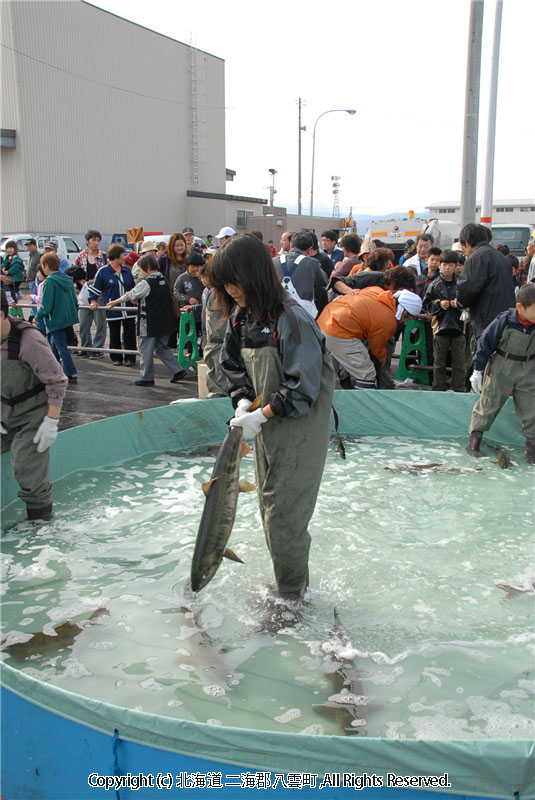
pixel 400 63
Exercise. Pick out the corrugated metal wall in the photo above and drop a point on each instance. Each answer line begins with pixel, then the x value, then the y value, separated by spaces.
pixel 104 131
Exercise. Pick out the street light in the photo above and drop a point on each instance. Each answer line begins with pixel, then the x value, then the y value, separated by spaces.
pixel 331 111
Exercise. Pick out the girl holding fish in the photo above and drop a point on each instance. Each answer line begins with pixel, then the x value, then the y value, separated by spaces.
pixel 274 348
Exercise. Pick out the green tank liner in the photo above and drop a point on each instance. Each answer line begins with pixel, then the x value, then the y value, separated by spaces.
pixel 494 768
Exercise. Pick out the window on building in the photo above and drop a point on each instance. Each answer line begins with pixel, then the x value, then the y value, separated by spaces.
pixel 241 218
pixel 509 209
pixel 528 208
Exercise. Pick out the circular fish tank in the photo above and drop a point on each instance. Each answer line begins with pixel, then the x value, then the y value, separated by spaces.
pixel 410 673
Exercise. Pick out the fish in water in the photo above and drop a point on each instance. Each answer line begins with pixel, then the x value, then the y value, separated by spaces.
pixel 416 469
pixel 347 701
pixel 220 508
pixel 502 459
pixel 514 591
pixel 40 643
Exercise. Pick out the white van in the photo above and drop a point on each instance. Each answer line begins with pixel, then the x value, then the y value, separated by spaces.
pixel 67 247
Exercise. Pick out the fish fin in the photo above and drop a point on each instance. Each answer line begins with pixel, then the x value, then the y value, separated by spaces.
pixel 245 448
pixel 246 486
pixel 256 403
pixel 207 486
pixel 230 554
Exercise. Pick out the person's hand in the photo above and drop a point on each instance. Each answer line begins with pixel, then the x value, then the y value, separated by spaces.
pixel 476 380
pixel 250 422
pixel 94 305
pixel 444 304
pixel 46 434
pixel 193 301
pixel 2 429
pixel 242 407
pixel 453 303
pixel 382 361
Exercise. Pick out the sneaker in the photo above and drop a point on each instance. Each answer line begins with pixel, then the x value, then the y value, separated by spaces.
pixel 130 363
pixel 143 383
pixel 96 355
pixel 117 363
pixel 73 379
pixel 82 354
pixel 177 377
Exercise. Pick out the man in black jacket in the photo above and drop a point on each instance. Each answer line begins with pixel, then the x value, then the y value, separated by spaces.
pixel 486 283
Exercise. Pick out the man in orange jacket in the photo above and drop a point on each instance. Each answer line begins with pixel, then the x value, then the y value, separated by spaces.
pixel 370 316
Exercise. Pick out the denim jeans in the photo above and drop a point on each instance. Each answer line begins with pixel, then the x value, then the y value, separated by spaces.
pixel 58 343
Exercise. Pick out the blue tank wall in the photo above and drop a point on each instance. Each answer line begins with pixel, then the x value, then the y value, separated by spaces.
pixel 48 757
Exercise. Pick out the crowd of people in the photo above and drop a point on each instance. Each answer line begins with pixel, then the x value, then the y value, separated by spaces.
pixel 277 325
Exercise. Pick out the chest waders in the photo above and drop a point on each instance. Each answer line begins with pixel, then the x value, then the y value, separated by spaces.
pixel 289 457
pixel 24 406
pixel 511 369
pixel 216 383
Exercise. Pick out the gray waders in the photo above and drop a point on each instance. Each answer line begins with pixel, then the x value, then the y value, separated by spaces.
pixel 511 369
pixel 21 418
pixel 216 382
pixel 289 459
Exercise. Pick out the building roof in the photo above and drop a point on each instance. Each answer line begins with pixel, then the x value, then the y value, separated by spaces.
pixel 219 196
pixel 450 204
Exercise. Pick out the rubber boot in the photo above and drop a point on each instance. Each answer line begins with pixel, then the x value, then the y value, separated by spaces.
pixel 473 444
pixel 43 513
pixel 530 451
pixel 285 611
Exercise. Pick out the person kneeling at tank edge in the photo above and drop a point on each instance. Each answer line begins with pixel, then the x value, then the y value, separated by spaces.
pixel 33 388
pixel 506 349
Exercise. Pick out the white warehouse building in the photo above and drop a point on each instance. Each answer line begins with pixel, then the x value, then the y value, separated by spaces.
pixel 108 125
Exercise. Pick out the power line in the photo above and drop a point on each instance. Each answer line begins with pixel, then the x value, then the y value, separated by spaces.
pixel 100 83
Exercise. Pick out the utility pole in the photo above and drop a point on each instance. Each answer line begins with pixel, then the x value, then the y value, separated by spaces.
pixel 301 128
pixel 272 190
pixel 471 114
pixel 486 203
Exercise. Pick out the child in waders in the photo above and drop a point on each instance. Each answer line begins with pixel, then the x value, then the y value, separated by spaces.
pixel 33 387
pixel 274 348
pixel 507 349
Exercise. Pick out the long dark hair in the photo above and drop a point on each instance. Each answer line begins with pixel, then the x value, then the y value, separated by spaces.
pixel 246 262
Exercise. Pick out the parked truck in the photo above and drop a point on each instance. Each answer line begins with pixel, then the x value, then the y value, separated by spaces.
pixel 394 233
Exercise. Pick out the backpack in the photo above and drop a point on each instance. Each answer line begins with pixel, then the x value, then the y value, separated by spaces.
pixel 308 305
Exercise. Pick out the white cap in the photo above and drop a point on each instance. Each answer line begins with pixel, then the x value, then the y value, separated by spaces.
pixel 225 232
pixel 408 301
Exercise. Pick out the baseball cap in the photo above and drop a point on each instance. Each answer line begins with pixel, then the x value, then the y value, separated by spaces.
pixel 188 230
pixel 225 232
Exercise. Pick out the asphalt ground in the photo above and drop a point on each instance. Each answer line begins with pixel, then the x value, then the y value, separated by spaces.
pixel 106 390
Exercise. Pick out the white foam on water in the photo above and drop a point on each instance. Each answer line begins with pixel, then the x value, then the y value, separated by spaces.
pixel 422 620
pixel 289 716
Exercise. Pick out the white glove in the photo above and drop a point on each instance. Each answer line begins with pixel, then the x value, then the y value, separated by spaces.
pixel 46 434
pixel 2 429
pixel 251 422
pixel 476 379
pixel 242 407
